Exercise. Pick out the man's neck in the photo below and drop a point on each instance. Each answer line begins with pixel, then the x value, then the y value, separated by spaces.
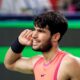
pixel 50 54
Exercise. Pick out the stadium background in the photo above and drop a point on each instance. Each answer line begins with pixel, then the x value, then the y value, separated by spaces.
pixel 12 24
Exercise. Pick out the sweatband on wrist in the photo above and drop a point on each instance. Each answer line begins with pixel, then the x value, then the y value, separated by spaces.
pixel 17 47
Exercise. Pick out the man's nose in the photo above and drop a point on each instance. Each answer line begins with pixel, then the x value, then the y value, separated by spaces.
pixel 35 34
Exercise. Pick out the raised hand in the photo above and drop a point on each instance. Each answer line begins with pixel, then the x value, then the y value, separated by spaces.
pixel 25 38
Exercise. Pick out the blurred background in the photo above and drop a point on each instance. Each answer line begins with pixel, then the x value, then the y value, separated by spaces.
pixel 17 15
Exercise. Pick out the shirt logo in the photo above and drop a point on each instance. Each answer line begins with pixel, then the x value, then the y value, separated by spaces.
pixel 42 75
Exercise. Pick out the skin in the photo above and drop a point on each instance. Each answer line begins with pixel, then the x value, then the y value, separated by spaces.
pixel 39 39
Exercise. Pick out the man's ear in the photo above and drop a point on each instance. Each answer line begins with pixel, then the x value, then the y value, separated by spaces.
pixel 56 37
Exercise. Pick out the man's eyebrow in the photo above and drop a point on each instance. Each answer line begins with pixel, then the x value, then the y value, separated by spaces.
pixel 41 29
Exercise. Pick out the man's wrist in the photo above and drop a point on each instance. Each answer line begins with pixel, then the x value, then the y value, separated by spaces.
pixel 17 47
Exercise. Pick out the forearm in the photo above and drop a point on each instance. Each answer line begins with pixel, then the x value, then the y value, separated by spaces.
pixel 13 54
pixel 10 58
pixel 13 59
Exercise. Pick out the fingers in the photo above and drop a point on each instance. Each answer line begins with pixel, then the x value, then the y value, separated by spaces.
pixel 25 37
pixel 24 32
pixel 27 34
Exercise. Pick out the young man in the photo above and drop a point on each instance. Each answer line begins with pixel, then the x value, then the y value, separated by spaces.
pixel 53 64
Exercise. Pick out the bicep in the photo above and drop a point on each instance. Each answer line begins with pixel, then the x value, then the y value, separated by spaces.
pixel 23 65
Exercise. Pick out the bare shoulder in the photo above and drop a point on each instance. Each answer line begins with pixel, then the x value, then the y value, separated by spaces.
pixel 70 67
pixel 73 65
pixel 71 60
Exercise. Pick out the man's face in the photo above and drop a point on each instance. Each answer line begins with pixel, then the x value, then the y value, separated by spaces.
pixel 41 39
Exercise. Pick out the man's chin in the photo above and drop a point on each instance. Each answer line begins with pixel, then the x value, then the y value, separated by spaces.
pixel 36 49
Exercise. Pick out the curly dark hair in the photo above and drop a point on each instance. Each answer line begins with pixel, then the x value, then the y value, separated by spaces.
pixel 55 21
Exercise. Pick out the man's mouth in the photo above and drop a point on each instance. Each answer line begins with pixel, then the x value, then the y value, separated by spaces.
pixel 35 42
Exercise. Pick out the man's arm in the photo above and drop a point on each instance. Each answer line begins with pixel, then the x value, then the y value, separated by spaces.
pixel 17 63
pixel 13 59
pixel 73 67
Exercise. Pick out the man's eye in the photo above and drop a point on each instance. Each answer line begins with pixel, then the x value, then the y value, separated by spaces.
pixel 40 31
